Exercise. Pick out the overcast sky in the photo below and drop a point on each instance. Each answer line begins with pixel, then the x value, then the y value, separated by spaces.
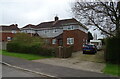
pixel 25 12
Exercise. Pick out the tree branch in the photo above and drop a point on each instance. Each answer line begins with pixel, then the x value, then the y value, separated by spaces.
pixel 100 27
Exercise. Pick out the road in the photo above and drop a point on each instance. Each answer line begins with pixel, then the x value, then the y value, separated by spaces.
pixel 12 72
pixel 51 70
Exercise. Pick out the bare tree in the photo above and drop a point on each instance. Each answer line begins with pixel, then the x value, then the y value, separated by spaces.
pixel 104 15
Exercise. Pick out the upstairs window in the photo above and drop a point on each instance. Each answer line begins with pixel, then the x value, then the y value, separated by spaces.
pixel 70 41
pixel 14 31
pixel 24 31
pixel 55 30
pixel 70 28
pixel 46 31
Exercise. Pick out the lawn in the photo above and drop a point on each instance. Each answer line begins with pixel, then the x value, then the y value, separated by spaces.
pixel 112 69
pixel 24 56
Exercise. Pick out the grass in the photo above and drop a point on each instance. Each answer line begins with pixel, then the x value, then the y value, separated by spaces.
pixel 112 69
pixel 24 56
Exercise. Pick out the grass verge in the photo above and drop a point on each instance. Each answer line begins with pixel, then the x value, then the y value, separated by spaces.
pixel 24 56
pixel 113 69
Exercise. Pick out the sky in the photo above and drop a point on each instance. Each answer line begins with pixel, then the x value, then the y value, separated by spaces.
pixel 23 12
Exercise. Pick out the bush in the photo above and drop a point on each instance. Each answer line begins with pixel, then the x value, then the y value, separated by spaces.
pixel 33 49
pixel 23 43
pixel 112 51
pixel 12 47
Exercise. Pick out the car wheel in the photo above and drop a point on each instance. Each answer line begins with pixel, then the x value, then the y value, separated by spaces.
pixel 83 52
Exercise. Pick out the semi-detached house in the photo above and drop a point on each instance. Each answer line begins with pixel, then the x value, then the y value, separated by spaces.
pixel 64 32
pixel 8 32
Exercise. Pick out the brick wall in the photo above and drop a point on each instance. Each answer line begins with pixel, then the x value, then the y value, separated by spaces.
pixel 5 35
pixel 78 38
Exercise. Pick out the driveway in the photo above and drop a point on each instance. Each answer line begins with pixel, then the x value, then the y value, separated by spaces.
pixel 80 61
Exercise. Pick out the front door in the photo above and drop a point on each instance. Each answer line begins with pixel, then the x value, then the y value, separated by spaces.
pixel 60 42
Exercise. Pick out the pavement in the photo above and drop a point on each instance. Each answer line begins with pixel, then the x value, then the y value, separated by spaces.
pixel 52 70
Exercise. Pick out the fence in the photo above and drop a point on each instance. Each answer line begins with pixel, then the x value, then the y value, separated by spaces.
pixel 64 52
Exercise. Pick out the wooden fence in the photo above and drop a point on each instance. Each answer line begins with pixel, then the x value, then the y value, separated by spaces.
pixel 64 52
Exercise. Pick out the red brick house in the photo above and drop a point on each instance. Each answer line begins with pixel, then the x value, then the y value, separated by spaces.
pixel 8 32
pixel 64 32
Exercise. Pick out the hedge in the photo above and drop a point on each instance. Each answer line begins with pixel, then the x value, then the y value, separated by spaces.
pixel 112 51
pixel 24 43
pixel 34 49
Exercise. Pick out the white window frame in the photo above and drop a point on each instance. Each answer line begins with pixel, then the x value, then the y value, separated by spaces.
pixel 46 31
pixel 54 41
pixel 55 30
pixel 9 38
pixel 14 31
pixel 70 28
pixel 70 41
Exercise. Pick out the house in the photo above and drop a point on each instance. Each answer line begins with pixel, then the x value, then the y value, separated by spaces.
pixel 64 32
pixel 8 32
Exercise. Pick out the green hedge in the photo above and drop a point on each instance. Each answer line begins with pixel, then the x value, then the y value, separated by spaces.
pixel 24 43
pixel 112 52
pixel 34 49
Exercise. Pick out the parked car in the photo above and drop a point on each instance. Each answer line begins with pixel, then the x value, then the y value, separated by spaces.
pixel 89 48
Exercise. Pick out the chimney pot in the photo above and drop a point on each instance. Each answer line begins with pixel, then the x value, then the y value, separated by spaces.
pixel 56 18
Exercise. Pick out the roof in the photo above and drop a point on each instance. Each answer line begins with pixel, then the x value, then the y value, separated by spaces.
pixel 95 40
pixel 9 28
pixel 29 26
pixel 59 23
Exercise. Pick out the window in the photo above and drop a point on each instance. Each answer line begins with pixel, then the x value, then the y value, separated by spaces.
pixel 70 28
pixel 9 38
pixel 14 31
pixel 53 41
pixel 24 31
pixel 46 31
pixel 55 30
pixel 70 41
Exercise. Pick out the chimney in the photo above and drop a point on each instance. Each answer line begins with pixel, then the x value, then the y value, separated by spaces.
pixel 14 25
pixel 56 18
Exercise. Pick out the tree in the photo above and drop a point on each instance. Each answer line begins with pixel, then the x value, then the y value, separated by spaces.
pixel 90 37
pixel 104 15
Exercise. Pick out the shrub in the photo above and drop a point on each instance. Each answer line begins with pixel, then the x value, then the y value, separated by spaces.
pixel 12 47
pixel 112 51
pixel 50 51
pixel 24 43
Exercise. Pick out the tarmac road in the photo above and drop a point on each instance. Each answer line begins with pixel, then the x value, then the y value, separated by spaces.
pixel 12 72
pixel 52 70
